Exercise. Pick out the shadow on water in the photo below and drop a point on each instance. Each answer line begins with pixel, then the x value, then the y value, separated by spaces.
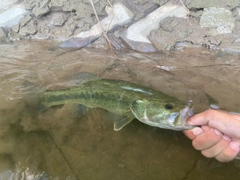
pixel 60 143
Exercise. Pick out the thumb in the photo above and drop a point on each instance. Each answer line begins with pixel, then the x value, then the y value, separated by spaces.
pixel 200 119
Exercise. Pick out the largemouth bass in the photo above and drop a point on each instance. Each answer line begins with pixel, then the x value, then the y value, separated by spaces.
pixel 126 99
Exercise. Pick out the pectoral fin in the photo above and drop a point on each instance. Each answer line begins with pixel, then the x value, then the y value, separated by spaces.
pixel 120 123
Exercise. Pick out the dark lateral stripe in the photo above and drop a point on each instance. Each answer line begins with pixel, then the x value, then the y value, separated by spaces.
pixel 86 96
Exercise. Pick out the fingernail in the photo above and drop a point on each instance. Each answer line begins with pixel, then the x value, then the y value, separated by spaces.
pixel 189 121
pixel 234 145
pixel 217 132
pixel 227 138
pixel 196 131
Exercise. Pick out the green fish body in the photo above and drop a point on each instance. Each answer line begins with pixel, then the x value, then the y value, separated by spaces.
pixel 126 99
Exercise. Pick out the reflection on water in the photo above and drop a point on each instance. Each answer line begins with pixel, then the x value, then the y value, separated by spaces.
pixel 61 143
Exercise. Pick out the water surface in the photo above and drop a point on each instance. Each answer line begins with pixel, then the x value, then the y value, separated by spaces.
pixel 62 143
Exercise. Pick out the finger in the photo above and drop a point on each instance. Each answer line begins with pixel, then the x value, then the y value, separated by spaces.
pixel 217 148
pixel 229 153
pixel 206 116
pixel 207 139
pixel 193 133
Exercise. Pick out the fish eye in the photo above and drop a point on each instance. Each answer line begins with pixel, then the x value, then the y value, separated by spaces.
pixel 168 106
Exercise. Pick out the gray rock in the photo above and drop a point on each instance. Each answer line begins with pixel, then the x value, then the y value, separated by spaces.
pixel 118 15
pixel 3 37
pixel 160 2
pixel 25 20
pixel 29 4
pixel 41 8
pixel 218 20
pixel 16 28
pixel 13 36
pixel 28 29
pixel 172 30
pixel 136 35
pixel 196 4
pixel 59 20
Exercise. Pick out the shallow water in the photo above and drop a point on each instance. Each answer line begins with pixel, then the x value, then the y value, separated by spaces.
pixel 60 143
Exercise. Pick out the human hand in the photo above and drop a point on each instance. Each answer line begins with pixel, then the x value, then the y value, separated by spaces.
pixel 218 134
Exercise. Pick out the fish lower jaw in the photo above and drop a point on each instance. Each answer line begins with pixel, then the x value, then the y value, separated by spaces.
pixel 167 125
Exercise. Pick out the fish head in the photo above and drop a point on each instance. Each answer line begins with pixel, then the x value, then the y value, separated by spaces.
pixel 168 115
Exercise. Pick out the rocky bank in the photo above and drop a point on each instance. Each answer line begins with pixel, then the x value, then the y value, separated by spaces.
pixel 143 25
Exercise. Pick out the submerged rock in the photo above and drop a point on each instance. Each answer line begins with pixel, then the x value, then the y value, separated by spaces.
pixel 3 36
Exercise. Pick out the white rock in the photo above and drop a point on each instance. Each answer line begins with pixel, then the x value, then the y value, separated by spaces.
pixel 6 4
pixel 12 16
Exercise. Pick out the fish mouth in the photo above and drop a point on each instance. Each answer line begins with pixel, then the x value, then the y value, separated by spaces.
pixel 177 120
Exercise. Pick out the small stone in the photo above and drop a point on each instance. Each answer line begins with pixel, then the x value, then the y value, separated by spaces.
pixel 59 21
pixel 40 11
pixel 236 40
pixel 41 8
pixel 15 28
pixel 29 4
pixel 13 36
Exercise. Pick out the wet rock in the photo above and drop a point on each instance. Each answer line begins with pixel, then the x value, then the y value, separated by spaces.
pixel 136 35
pixel 118 15
pixel 232 49
pixel 12 16
pixel 13 36
pixel 218 20
pixel 3 37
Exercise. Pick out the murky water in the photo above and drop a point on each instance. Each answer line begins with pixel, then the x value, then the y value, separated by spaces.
pixel 61 144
